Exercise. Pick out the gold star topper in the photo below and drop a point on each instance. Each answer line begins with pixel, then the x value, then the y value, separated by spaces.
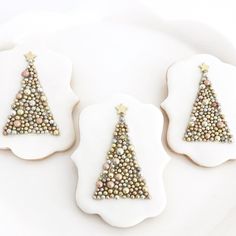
pixel 204 67
pixel 121 109
pixel 30 56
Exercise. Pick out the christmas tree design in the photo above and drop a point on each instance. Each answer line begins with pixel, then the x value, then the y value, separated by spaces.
pixel 30 111
pixel 121 176
pixel 207 123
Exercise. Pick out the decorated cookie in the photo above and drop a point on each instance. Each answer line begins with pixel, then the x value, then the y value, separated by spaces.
pixel 36 102
pixel 200 107
pixel 120 161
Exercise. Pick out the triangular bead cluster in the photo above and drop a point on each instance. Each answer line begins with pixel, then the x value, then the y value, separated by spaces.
pixel 121 176
pixel 207 123
pixel 30 111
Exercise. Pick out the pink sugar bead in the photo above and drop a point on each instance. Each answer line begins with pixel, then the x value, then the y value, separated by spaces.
pixel 25 73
